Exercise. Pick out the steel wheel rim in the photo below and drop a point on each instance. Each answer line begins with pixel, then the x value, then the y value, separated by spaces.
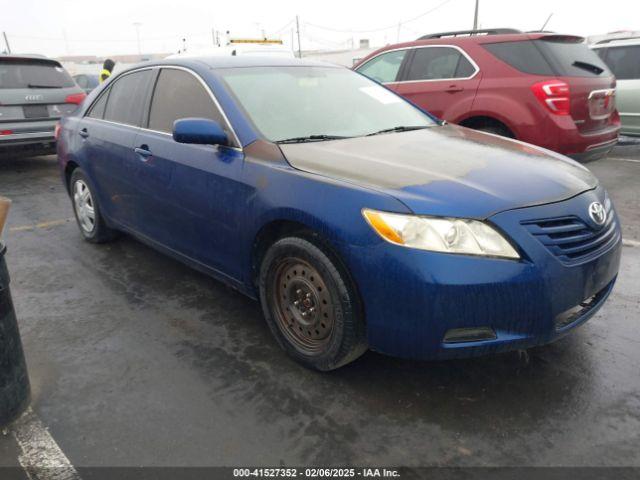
pixel 83 203
pixel 304 311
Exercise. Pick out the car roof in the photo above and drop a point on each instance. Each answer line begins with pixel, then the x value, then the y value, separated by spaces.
pixel 29 56
pixel 617 42
pixel 241 61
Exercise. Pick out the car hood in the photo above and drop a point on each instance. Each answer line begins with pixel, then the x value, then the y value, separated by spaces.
pixel 448 170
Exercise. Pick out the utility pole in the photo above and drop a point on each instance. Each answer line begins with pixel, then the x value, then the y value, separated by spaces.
pixel 298 31
pixel 138 25
pixel 475 16
pixel 6 42
pixel 213 35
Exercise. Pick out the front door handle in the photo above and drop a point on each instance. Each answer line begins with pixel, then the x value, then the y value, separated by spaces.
pixel 143 151
pixel 83 133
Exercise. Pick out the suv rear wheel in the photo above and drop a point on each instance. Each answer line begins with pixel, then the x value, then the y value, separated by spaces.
pixel 310 306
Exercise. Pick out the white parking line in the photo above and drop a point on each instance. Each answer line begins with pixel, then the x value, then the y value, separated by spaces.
pixel 630 243
pixel 41 457
pixel 620 159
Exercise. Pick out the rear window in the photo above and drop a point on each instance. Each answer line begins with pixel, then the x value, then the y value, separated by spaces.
pixel 33 74
pixel 624 61
pixel 560 56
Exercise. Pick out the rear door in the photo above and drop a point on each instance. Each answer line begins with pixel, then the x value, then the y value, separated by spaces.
pixel 624 61
pixel 34 94
pixel 107 134
pixel 439 79
pixel 190 194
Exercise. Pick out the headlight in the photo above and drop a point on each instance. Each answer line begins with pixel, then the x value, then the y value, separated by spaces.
pixel 450 235
pixel 5 203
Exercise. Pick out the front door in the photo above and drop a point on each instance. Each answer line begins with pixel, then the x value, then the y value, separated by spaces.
pixel 439 79
pixel 190 195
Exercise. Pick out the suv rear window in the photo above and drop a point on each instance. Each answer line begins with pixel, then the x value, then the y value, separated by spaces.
pixel 553 55
pixel 33 74
pixel 624 61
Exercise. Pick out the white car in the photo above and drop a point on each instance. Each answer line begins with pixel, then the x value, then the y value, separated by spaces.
pixel 623 58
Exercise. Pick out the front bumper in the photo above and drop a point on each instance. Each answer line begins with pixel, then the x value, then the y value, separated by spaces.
pixel 413 298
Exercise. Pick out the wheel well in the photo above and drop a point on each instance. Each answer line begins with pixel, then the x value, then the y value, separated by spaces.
pixel 274 231
pixel 68 171
pixel 479 122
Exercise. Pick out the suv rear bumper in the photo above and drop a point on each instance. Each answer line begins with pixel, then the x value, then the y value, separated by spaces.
pixel 595 152
pixel 39 137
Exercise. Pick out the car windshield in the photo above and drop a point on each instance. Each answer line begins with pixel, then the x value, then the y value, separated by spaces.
pixel 33 74
pixel 319 103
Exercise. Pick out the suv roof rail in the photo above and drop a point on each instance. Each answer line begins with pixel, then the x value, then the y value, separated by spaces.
pixel 617 39
pixel 488 31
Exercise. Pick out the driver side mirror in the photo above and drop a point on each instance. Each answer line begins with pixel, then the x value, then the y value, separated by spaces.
pixel 199 131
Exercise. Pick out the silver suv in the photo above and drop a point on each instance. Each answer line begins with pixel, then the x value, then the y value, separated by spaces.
pixel 34 93
pixel 623 58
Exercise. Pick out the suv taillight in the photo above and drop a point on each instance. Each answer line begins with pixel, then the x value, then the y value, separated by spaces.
pixel 554 95
pixel 76 98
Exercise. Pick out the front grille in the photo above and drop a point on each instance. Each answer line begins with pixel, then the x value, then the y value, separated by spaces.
pixel 573 240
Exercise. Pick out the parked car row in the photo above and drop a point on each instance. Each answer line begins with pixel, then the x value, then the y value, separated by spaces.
pixel 546 89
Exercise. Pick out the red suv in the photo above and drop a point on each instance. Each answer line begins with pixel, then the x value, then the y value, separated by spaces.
pixel 547 89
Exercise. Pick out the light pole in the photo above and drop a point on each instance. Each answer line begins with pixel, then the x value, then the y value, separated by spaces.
pixel 137 25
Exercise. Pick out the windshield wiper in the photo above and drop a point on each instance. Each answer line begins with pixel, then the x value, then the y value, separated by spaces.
pixel 34 85
pixel 312 138
pixel 401 128
pixel 588 66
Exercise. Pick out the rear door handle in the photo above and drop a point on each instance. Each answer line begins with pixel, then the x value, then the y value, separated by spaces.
pixel 454 89
pixel 83 133
pixel 143 151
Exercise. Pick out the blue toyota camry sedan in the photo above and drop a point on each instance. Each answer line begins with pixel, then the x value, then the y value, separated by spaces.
pixel 358 220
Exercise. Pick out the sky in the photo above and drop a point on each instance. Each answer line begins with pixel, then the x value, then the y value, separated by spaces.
pixel 110 27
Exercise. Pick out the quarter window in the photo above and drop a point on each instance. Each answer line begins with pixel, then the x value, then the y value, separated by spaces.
pixel 436 63
pixel 384 68
pixel 127 98
pixel 178 94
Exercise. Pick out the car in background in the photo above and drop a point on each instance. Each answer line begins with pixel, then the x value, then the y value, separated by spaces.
pixel 356 218
pixel 35 92
pixel 86 81
pixel 546 89
pixel 623 58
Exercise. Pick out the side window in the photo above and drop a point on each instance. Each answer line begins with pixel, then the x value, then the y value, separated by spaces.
pixel 178 94
pixel 602 52
pixel 81 80
pixel 624 62
pixel 435 63
pixel 97 109
pixel 384 68
pixel 521 55
pixel 127 97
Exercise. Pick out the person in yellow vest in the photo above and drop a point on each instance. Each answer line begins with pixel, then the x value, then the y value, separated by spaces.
pixel 107 68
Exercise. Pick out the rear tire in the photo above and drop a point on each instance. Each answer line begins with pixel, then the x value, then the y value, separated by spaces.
pixel 87 210
pixel 310 306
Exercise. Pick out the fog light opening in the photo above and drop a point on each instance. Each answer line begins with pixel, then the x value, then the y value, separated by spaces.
pixel 466 335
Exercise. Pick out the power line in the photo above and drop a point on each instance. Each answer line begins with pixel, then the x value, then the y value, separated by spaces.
pixel 395 25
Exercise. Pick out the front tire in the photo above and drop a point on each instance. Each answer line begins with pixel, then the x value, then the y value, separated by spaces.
pixel 87 210
pixel 310 305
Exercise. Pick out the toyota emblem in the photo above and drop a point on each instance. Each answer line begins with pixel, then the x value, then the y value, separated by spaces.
pixel 597 213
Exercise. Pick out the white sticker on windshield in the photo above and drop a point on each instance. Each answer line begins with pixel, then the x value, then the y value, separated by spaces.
pixel 381 94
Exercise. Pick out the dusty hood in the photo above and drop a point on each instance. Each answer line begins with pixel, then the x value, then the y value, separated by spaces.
pixel 447 170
